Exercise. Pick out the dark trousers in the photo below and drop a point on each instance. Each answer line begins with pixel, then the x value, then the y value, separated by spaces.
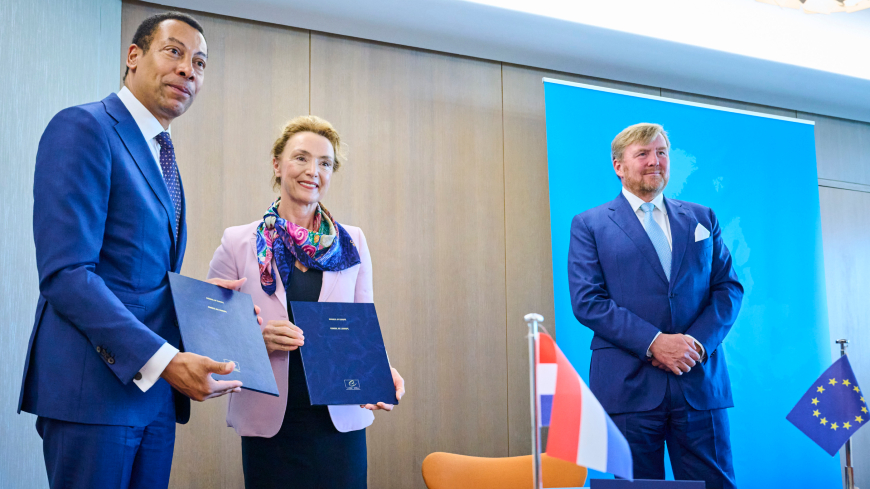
pixel 307 453
pixel 698 442
pixel 88 456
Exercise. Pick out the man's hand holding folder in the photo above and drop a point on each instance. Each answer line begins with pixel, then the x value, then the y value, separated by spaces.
pixel 190 373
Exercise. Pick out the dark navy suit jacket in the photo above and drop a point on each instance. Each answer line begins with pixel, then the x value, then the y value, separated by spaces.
pixel 104 227
pixel 619 290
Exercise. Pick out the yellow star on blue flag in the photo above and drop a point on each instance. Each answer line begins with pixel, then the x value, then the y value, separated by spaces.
pixel 839 405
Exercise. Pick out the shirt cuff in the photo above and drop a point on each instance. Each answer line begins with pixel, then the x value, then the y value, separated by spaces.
pixel 150 373
pixel 703 351
pixel 648 352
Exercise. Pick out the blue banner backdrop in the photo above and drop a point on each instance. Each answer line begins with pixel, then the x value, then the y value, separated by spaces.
pixel 758 173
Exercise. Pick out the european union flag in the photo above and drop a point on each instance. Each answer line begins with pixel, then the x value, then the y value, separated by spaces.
pixel 833 409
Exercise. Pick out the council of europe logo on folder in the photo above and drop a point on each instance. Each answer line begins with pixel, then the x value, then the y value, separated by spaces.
pixel 833 408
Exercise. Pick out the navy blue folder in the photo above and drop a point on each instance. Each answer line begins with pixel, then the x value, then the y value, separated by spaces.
pixel 220 323
pixel 344 357
pixel 643 484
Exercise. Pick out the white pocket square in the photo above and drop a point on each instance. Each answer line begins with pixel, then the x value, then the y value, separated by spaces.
pixel 701 233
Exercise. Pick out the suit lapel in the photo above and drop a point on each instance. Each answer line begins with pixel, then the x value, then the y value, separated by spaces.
pixel 627 220
pixel 680 228
pixel 132 138
pixel 182 233
pixel 329 281
pixel 280 292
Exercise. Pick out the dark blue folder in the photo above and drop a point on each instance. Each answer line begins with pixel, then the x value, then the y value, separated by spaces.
pixel 644 484
pixel 220 323
pixel 344 357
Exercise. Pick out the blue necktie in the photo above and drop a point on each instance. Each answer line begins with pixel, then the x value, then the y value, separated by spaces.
pixel 657 236
pixel 170 175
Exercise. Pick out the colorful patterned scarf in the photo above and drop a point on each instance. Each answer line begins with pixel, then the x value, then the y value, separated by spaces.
pixel 329 249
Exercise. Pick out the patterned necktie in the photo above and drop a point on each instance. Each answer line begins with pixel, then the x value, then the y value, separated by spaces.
pixel 170 175
pixel 657 236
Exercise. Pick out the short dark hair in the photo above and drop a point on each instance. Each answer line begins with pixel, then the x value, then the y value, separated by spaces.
pixel 145 32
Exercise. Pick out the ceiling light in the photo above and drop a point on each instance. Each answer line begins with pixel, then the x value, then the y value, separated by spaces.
pixel 821 6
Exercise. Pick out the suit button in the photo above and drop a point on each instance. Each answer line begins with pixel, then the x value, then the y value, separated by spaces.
pixel 111 361
pixel 99 349
pixel 138 376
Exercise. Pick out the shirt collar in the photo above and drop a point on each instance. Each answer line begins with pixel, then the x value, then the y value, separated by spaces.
pixel 148 124
pixel 635 202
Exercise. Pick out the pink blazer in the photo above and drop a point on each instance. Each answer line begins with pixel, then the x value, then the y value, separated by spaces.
pixel 255 414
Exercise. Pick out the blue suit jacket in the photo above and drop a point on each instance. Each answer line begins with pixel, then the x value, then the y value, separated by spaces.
pixel 104 226
pixel 619 290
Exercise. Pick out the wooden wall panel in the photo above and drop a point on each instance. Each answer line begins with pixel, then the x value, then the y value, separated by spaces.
pixel 425 183
pixel 842 149
pixel 845 234
pixel 529 257
pixel 256 79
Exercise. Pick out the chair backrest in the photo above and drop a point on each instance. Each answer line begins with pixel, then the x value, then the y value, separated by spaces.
pixel 450 471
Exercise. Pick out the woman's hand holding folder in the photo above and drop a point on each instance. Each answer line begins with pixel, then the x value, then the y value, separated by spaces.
pixel 399 382
pixel 282 335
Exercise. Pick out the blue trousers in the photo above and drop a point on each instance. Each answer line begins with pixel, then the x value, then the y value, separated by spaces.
pixel 88 456
pixel 698 442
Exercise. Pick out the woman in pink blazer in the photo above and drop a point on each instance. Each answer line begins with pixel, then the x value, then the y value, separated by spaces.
pixel 299 252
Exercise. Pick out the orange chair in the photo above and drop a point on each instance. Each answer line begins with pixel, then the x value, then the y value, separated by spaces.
pixel 450 471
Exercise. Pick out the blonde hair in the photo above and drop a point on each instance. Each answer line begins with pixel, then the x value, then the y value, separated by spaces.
pixel 643 133
pixel 312 124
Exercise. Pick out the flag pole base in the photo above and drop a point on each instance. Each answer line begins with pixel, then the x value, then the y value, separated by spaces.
pixel 532 321
pixel 850 478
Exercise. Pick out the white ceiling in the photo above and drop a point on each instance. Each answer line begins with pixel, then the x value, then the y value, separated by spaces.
pixel 734 49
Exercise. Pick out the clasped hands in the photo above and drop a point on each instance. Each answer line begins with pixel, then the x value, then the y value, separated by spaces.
pixel 191 374
pixel 282 335
pixel 674 352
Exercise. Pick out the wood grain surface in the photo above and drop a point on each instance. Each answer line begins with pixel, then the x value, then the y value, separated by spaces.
pixel 424 181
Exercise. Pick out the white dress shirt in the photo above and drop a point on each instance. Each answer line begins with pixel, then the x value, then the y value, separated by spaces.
pixel 150 127
pixel 660 216
pixel 148 124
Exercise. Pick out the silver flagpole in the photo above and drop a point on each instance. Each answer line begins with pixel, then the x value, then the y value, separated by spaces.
pixel 532 320
pixel 850 476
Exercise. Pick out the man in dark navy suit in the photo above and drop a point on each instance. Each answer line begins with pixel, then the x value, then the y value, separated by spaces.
pixel 103 372
pixel 653 279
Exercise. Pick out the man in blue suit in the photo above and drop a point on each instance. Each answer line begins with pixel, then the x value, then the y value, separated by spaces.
pixel 652 278
pixel 103 372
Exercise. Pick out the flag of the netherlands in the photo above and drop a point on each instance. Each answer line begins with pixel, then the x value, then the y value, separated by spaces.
pixel 580 429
